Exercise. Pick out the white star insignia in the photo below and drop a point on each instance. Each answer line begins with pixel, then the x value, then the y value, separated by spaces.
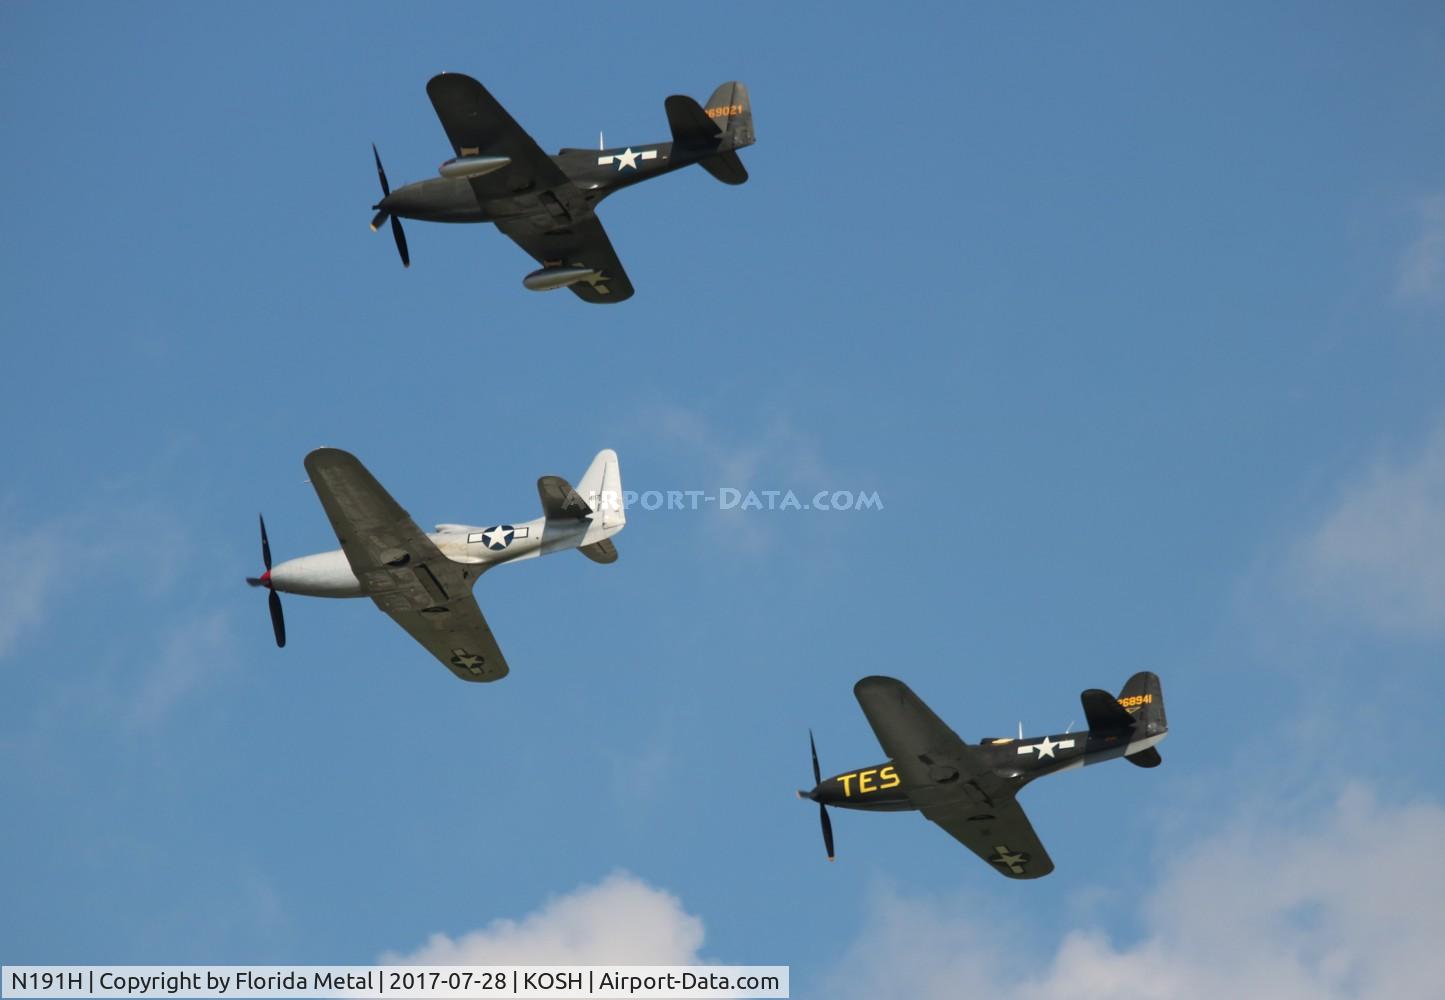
pixel 470 661
pixel 626 159
pixel 1013 861
pixel 498 537
pixel 1047 747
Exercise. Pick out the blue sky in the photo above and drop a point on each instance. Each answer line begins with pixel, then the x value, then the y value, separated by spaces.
pixel 1130 315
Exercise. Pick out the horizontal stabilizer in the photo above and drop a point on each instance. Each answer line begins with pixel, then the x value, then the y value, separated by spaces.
pixel 690 124
pixel 1104 712
pixel 726 167
pixel 1145 758
pixel 600 552
pixel 560 501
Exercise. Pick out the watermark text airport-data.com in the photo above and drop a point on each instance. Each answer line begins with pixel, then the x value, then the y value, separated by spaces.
pixel 734 498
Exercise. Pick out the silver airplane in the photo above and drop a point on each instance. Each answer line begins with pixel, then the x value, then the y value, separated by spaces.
pixel 424 581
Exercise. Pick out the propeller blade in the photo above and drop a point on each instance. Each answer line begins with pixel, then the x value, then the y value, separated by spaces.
pixel 273 600
pixel 278 623
pixel 400 241
pixel 380 173
pixel 822 809
pixel 381 216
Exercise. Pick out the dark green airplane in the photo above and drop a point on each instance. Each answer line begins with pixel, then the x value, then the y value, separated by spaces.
pixel 970 790
pixel 547 204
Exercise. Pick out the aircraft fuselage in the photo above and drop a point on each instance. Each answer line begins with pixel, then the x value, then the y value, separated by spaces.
pixel 329 574
pixel 595 174
pixel 880 788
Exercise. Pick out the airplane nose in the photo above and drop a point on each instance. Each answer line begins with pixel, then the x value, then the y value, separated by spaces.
pixel 398 202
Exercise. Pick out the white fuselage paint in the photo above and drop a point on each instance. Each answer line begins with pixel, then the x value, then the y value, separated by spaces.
pixel 328 574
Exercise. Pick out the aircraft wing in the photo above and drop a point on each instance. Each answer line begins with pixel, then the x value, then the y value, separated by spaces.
pixel 402 570
pixel 998 831
pixel 944 778
pixel 918 741
pixel 580 243
pixel 455 633
pixel 478 125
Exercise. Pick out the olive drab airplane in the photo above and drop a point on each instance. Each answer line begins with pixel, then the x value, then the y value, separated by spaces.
pixel 970 790
pixel 424 581
pixel 547 204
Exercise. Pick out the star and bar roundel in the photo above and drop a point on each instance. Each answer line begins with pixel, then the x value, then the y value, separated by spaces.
pixel 468 660
pixel 627 158
pixel 1014 861
pixel 1046 747
pixel 499 536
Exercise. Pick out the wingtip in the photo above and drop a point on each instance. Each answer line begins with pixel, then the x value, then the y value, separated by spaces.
pixel 450 79
pixel 876 682
pixel 327 452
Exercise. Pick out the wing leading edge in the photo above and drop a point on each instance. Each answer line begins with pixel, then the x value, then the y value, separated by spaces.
pixel 947 781
pixel 402 571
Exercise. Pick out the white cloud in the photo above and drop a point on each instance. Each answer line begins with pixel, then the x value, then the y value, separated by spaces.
pixel 59 553
pixel 61 565
pixel 778 447
pixel 33 561
pixel 1379 554
pixel 620 920
pixel 776 455
pixel 1420 275
pixel 194 652
pixel 1346 906
pixel 1333 905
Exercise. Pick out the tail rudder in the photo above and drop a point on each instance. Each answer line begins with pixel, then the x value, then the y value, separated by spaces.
pixel 713 133
pixel 1143 698
pixel 601 487
pixel 730 108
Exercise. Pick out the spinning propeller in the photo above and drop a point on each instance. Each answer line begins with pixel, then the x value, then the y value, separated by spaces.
pixel 385 213
pixel 822 809
pixel 273 599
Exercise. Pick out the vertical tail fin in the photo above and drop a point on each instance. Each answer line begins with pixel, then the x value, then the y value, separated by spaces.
pixel 711 135
pixel 730 108
pixel 1143 698
pixel 601 487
